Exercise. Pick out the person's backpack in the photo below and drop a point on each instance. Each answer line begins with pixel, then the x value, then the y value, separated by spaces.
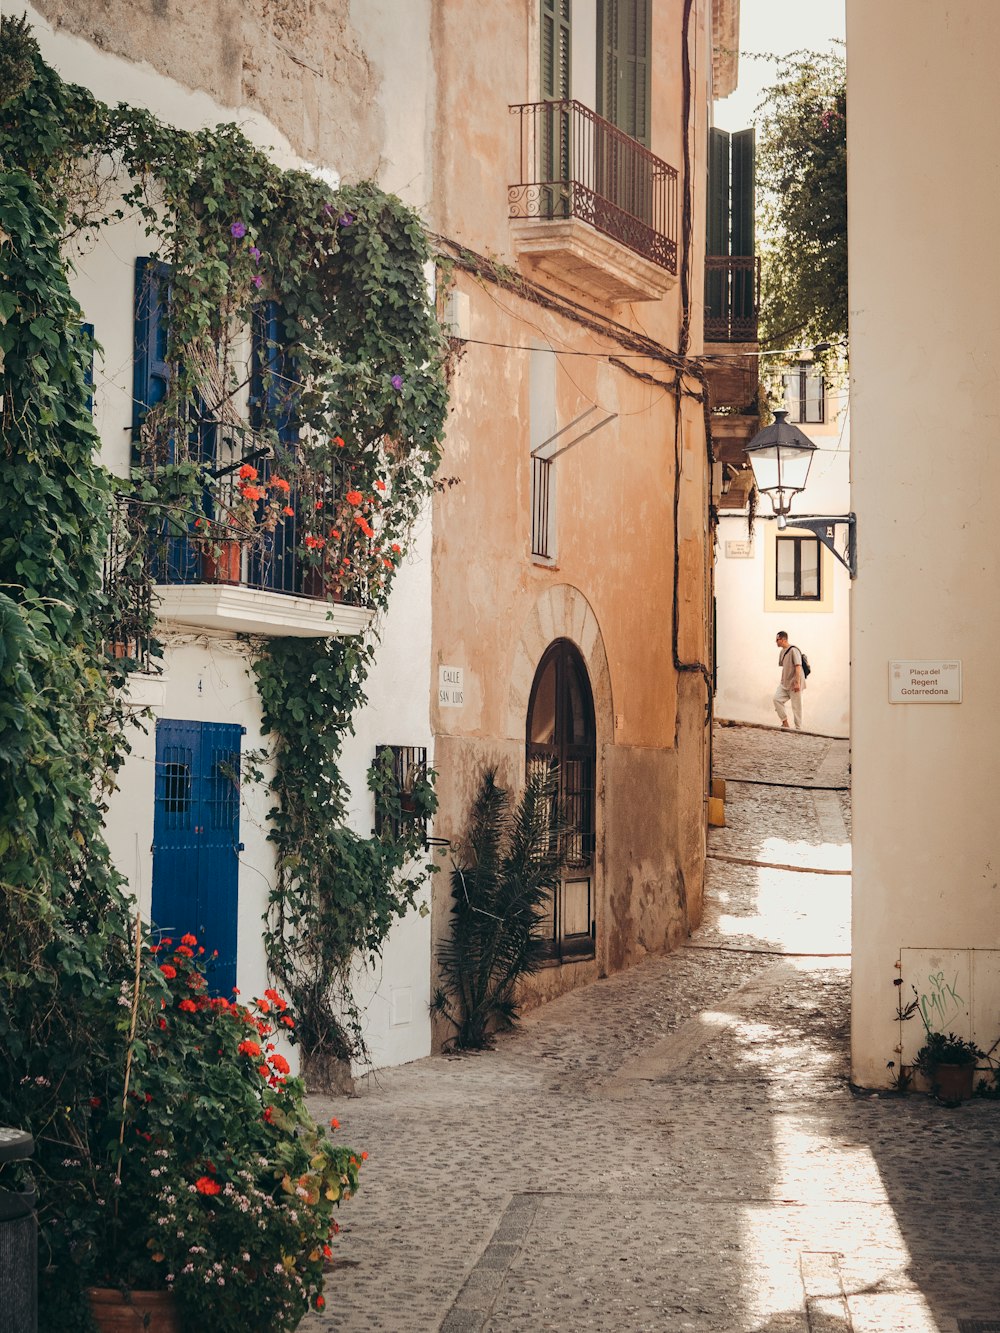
pixel 806 668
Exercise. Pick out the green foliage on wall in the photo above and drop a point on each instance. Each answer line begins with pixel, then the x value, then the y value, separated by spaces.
pixel 802 180
pixel 347 269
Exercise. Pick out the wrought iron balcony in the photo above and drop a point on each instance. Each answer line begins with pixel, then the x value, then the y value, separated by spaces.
pixel 732 298
pixel 574 166
pixel 214 578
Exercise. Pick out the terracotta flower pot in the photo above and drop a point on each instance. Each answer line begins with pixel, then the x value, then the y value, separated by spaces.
pixel 954 1083
pixel 115 1311
pixel 222 563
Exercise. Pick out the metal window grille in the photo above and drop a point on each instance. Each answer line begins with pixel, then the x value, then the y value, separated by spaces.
pixel 541 500
pixel 409 765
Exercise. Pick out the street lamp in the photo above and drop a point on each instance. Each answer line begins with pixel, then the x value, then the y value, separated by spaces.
pixel 781 456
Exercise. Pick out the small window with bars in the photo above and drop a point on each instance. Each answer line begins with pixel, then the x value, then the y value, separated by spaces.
pixel 398 769
pixel 542 535
pixel 798 569
pixel 805 394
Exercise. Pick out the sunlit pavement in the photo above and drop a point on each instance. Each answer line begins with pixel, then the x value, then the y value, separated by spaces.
pixel 678 1147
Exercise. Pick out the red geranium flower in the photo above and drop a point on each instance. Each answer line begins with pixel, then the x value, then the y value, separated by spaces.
pixel 184 951
pixel 247 472
pixel 168 971
pixel 189 939
pixel 249 1048
pixel 188 1006
pixel 288 511
pixel 281 484
pixel 206 1185
pixel 353 497
pixel 279 1063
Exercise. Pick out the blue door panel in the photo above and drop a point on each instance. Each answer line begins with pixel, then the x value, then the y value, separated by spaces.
pixel 195 837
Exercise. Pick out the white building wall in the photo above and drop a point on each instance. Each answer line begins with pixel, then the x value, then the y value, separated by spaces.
pixel 748 616
pixel 205 676
pixel 924 188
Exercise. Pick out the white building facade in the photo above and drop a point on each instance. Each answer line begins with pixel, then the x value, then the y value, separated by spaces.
pixel 771 580
pixel 198 716
pixel 923 101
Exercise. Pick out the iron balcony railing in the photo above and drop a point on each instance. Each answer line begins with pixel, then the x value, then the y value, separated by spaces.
pixel 574 164
pixel 732 298
pixel 145 549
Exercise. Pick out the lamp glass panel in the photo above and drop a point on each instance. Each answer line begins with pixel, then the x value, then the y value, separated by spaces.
pixel 793 466
pixel 765 468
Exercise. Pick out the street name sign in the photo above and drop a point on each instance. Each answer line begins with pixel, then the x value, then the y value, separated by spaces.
pixel 925 682
pixel 451 686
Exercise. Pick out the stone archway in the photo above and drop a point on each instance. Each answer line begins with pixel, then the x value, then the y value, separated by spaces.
pixel 562 612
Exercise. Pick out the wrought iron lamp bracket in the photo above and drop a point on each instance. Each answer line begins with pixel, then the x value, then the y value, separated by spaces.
pixel 824 526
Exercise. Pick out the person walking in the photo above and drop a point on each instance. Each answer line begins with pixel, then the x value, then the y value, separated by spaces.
pixel 792 682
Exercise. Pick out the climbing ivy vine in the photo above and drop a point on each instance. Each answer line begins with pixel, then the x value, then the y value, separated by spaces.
pixel 356 366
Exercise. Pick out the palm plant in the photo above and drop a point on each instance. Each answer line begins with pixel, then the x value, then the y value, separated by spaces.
pixel 509 868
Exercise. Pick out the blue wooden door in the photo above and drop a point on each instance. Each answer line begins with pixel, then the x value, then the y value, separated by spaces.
pixel 196 825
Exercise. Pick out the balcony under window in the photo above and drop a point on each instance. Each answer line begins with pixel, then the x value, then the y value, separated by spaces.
pixel 592 207
pixel 261 585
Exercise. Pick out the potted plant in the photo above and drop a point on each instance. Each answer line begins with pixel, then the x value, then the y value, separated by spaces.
pixel 211 1186
pixel 949 1064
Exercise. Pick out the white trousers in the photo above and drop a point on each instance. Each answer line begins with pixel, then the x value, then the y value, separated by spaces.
pixel 781 697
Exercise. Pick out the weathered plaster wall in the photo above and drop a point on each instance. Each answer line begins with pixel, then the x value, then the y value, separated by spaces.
pixel 925 359
pixel 299 62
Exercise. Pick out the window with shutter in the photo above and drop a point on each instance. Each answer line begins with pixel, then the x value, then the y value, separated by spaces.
pixel 150 371
pixel 623 87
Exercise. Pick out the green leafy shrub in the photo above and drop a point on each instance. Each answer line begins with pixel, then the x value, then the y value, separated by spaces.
pixel 509 866
pixel 199 1168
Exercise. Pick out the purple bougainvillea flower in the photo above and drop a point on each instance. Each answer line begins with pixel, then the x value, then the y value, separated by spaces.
pixel 238 230
pixel 257 281
pixel 346 219
pixel 397 381
pixel 254 252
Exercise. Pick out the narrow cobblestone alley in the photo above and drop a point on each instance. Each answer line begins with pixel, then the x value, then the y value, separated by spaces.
pixel 677 1147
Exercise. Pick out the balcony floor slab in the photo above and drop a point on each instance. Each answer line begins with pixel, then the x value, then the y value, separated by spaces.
pixel 244 610
pixel 575 252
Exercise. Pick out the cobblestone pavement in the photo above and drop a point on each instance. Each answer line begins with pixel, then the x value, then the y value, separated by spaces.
pixel 677 1147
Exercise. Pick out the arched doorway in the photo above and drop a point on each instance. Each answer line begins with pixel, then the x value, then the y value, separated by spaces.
pixel 562 733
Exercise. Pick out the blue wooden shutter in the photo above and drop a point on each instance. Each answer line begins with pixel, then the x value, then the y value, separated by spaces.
pixel 150 370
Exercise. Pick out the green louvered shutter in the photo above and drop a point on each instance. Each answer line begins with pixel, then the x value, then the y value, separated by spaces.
pixel 741 213
pixel 623 85
pixel 742 198
pixel 555 44
pixel 718 222
pixel 554 128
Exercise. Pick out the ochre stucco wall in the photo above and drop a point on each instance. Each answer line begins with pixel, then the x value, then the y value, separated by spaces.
pixel 495 608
